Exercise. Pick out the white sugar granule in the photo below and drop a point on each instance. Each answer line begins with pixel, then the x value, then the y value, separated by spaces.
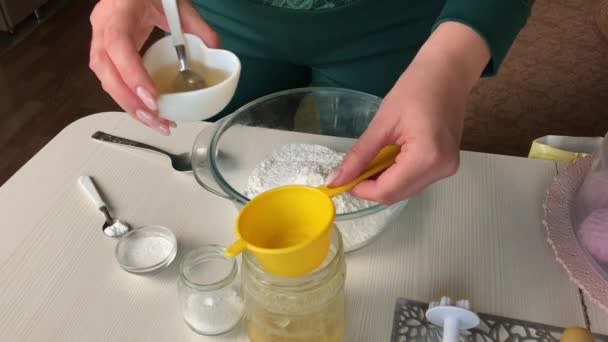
pixel 213 312
pixel 147 251
pixel 303 164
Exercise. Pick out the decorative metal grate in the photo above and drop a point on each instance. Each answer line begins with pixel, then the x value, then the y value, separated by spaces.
pixel 410 324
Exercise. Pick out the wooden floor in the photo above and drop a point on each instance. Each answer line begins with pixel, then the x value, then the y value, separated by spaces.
pixel 45 84
pixel 555 81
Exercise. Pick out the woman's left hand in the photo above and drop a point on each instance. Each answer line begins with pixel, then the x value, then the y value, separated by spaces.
pixel 424 114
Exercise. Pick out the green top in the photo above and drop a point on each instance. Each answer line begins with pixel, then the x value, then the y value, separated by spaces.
pixel 307 4
pixel 497 21
pixel 363 45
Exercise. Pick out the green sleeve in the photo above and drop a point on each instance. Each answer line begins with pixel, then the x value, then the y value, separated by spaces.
pixel 497 21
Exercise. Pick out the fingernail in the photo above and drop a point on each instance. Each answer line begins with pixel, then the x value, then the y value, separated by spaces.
pixel 164 130
pixel 167 123
pixel 146 98
pixel 146 117
pixel 333 176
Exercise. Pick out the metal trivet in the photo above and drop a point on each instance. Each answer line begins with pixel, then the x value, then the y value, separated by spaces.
pixel 410 324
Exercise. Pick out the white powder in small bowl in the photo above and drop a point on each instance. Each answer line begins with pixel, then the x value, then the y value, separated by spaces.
pixel 147 251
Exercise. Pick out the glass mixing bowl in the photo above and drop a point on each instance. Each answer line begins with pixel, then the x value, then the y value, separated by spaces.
pixel 225 153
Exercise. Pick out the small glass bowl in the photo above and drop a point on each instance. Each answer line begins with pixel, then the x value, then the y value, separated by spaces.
pixel 146 249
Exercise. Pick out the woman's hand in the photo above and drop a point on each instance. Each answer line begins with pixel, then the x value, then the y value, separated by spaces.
pixel 424 114
pixel 120 28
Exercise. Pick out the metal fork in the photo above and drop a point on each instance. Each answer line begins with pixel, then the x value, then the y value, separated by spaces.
pixel 180 162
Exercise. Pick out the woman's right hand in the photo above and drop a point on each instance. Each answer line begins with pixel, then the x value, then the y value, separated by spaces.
pixel 120 28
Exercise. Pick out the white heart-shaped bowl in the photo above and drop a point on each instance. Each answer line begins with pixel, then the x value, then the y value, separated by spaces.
pixel 199 104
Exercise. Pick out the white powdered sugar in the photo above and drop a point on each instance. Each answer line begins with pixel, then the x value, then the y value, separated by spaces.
pixel 213 313
pixel 308 164
pixel 147 251
pixel 303 164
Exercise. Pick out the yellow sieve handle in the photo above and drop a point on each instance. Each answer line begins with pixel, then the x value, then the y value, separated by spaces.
pixel 383 160
pixel 236 248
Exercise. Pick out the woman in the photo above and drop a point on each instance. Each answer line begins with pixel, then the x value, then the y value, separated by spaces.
pixel 422 56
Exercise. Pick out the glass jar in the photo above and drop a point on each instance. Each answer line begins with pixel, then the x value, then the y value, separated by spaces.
pixel 293 309
pixel 209 291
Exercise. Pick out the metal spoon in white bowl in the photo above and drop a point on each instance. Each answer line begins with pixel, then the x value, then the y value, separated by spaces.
pixel 186 79
pixel 111 227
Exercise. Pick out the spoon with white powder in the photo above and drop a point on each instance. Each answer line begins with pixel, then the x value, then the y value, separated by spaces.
pixel 111 227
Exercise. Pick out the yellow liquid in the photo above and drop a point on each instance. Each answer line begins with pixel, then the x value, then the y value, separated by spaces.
pixel 325 324
pixel 310 308
pixel 163 78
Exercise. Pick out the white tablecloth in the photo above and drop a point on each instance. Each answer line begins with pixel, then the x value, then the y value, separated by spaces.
pixel 476 235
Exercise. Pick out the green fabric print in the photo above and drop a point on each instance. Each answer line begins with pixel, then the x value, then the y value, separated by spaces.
pixel 307 4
